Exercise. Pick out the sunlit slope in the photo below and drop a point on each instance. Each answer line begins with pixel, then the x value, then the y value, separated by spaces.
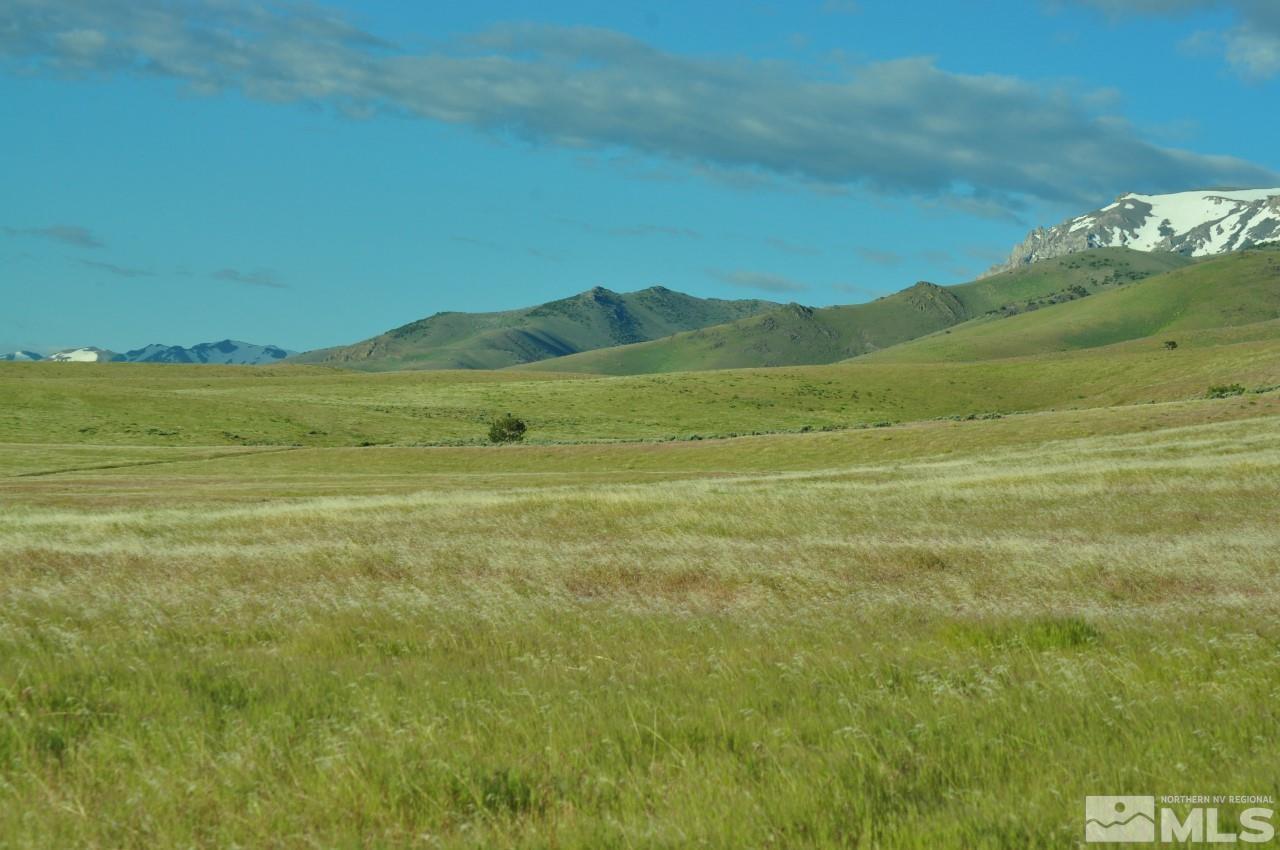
pixel 1234 291
pixel 136 404
pixel 594 319
pixel 796 335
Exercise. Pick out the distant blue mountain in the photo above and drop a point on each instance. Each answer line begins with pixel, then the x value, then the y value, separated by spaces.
pixel 226 352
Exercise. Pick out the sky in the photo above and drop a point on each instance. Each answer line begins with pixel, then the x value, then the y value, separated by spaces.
pixel 308 174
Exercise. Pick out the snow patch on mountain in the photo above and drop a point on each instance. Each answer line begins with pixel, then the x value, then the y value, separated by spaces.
pixel 228 352
pixel 1197 224
pixel 89 354
pixel 21 356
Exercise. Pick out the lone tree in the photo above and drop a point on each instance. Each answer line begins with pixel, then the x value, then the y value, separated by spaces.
pixel 507 429
pixel 1170 344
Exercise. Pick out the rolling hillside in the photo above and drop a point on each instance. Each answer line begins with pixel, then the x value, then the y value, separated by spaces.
pixel 598 318
pixel 796 335
pixel 1224 292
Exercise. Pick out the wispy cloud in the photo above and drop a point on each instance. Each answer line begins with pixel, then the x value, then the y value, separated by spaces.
pixel 118 271
pixel 789 247
pixel 1251 47
pixel 762 281
pixel 68 234
pixel 880 257
pixel 904 127
pixel 256 278
pixel 855 289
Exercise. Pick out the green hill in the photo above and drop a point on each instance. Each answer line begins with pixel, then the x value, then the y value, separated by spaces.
pixel 594 319
pixel 1230 291
pixel 796 335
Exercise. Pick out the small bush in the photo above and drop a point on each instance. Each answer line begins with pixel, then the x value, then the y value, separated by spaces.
pixel 507 429
pixel 1170 344
pixel 1225 391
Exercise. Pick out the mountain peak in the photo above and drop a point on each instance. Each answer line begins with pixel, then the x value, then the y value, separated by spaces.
pixel 596 318
pixel 1198 223
pixel 21 355
pixel 223 352
pixel 88 354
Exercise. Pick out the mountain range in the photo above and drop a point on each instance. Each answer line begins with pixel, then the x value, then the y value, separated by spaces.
pixel 597 318
pixel 226 352
pixel 658 330
pixel 795 335
pixel 1168 240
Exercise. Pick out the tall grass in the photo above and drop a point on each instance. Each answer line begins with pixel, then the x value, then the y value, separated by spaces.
pixel 910 650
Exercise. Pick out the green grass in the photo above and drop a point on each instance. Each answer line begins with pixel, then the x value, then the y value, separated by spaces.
pixel 162 405
pixel 1236 290
pixel 804 640
pixel 796 335
pixel 226 622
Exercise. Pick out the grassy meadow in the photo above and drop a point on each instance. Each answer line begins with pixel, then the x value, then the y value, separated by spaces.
pixel 130 404
pixel 224 622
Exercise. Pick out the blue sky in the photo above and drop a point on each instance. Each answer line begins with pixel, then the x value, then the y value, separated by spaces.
pixel 309 174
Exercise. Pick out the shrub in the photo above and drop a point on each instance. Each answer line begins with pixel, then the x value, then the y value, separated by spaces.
pixel 507 429
pixel 1225 390
pixel 1170 344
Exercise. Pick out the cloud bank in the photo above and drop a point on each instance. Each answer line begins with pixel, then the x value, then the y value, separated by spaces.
pixel 899 128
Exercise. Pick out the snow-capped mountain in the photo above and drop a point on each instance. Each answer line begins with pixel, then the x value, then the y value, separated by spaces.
pixel 1197 224
pixel 88 354
pixel 228 351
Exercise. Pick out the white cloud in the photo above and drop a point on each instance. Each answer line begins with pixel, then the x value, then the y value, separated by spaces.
pixel 904 127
